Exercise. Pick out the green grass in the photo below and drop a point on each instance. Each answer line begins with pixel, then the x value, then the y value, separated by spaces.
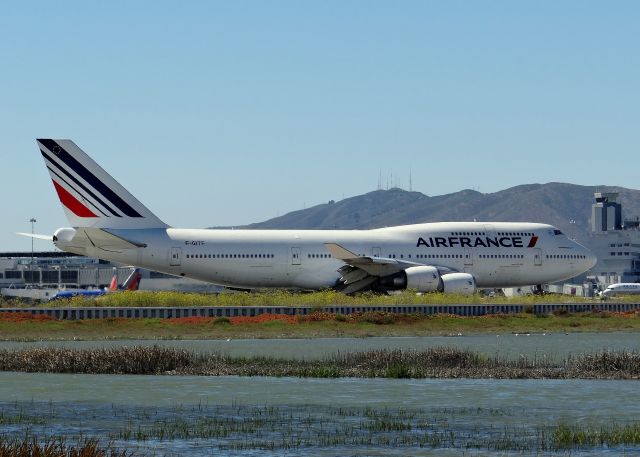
pixel 288 298
pixel 578 436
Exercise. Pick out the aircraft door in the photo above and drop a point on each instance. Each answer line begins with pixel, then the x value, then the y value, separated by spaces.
pixel 176 257
pixel 376 252
pixel 295 256
pixel 468 256
pixel 537 256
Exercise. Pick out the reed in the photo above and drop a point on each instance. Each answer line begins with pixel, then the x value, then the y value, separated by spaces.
pixel 608 362
pixel 565 436
pixel 56 447
pixel 440 362
pixel 246 427
pixel 123 360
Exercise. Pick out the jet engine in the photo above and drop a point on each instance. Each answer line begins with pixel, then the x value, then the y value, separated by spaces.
pixel 421 278
pixel 460 283
pixel 428 279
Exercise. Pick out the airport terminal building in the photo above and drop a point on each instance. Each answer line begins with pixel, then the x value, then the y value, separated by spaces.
pixel 57 270
pixel 615 241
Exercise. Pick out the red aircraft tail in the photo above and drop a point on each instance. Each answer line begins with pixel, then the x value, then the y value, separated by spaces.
pixel 133 281
pixel 114 284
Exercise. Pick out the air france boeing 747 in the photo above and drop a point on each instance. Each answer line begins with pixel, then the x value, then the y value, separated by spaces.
pixel 109 223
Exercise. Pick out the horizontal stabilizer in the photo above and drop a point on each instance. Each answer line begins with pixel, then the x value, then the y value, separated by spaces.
pixel 104 240
pixel 36 236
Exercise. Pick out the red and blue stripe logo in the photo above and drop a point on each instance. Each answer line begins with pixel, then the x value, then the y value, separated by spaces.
pixel 97 197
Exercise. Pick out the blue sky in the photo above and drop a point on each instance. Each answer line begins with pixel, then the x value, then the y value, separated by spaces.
pixel 224 113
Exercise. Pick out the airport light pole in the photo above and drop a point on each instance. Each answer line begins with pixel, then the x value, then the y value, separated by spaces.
pixel 33 223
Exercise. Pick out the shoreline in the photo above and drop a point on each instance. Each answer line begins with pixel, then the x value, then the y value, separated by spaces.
pixel 24 327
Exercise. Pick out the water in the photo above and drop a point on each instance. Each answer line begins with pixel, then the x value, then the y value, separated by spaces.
pixel 476 412
pixel 578 398
pixel 553 345
pixel 326 417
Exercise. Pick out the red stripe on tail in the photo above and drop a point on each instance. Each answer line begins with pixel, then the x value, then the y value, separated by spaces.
pixel 135 281
pixel 72 202
pixel 114 284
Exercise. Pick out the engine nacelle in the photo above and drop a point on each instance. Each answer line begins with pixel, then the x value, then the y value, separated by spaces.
pixel 422 279
pixel 460 283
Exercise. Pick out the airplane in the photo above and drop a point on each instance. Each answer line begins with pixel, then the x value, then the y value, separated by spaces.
pixel 131 283
pixel 621 288
pixel 110 223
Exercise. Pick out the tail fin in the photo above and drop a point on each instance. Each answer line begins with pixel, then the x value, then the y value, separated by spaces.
pixel 114 283
pixel 133 281
pixel 89 195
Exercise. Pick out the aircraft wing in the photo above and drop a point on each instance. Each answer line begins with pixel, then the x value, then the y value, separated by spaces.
pixel 376 266
pixel 361 271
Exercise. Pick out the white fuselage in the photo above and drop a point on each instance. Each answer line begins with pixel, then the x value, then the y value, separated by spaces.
pixel 496 254
pixel 622 288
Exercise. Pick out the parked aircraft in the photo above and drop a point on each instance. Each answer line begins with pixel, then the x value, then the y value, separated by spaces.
pixel 131 283
pixel 621 288
pixel 110 223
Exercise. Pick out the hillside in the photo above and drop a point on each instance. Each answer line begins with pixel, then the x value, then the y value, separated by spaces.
pixel 552 203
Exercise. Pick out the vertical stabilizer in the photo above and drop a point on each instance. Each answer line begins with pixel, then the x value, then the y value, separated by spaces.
pixel 114 283
pixel 133 281
pixel 89 195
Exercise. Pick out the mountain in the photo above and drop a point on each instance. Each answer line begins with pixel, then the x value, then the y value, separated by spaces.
pixel 552 203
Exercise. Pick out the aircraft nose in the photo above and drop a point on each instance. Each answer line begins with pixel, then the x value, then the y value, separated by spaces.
pixel 591 259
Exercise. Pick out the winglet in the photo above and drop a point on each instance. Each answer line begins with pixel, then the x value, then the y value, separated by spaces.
pixel 339 252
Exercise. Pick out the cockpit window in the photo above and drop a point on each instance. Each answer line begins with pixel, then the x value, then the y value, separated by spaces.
pixel 557 232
